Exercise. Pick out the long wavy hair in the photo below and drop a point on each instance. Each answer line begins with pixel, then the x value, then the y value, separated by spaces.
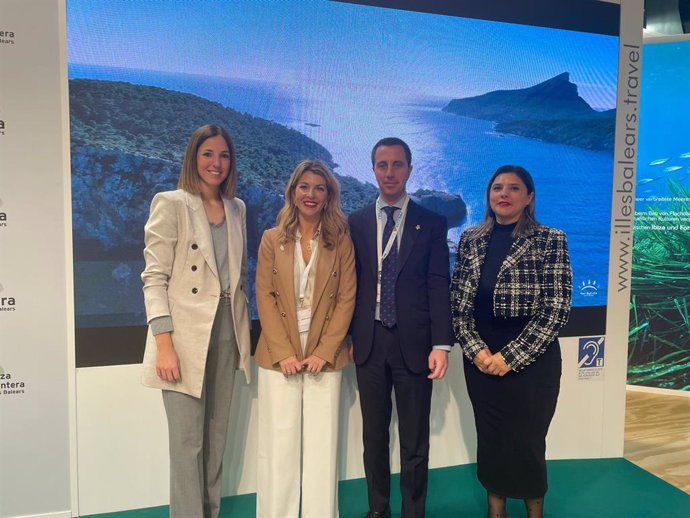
pixel 528 220
pixel 189 175
pixel 333 220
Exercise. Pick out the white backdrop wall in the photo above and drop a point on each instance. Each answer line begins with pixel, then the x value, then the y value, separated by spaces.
pixel 121 438
pixel 34 245
pixel 123 456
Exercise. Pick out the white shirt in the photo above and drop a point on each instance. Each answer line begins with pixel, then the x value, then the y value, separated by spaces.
pixel 302 268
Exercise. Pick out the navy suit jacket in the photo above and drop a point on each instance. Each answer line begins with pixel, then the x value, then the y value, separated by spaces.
pixel 422 286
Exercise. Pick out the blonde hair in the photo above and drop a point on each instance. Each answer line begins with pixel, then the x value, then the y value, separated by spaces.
pixel 528 220
pixel 333 220
pixel 189 174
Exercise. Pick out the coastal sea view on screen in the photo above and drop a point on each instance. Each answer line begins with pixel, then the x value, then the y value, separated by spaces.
pixel 455 121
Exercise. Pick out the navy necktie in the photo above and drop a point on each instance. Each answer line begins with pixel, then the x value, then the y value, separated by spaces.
pixel 389 268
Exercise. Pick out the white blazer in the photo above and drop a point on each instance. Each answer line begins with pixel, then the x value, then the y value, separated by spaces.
pixel 181 281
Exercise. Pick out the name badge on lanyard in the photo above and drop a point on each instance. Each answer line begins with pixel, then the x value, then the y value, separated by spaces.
pixel 383 253
pixel 303 319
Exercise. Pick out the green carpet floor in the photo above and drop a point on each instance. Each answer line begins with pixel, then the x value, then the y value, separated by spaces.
pixel 599 488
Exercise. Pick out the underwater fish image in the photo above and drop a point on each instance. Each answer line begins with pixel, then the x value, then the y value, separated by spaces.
pixel 643 181
pixel 659 161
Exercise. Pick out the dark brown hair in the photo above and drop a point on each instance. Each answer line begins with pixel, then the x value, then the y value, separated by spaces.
pixel 189 175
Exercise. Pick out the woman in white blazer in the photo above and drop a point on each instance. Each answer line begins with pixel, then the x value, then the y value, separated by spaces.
pixel 196 306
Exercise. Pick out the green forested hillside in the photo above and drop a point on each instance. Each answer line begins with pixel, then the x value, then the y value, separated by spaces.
pixel 127 144
pixel 156 122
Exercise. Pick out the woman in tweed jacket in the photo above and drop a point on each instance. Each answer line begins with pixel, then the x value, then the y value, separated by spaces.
pixel 511 293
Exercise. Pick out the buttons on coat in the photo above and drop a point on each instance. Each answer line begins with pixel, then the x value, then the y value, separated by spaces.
pixel 194 267
pixel 330 295
pixel 283 314
pixel 195 291
pixel 195 246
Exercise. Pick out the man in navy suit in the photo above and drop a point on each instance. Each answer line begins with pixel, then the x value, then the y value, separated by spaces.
pixel 401 329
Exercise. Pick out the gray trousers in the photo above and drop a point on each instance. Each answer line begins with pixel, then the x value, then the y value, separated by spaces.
pixel 198 428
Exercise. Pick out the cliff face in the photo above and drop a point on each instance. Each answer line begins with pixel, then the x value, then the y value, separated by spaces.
pixel 552 111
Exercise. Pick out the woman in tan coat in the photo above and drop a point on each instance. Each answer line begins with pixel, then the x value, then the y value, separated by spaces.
pixel 195 285
pixel 305 291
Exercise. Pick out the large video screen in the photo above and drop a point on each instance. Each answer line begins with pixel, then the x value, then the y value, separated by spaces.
pixel 321 79
pixel 659 348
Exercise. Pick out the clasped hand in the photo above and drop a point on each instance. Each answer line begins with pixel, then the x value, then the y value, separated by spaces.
pixel 493 364
pixel 291 365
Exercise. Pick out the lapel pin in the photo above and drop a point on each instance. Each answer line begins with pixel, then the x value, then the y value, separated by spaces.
pixel 418 227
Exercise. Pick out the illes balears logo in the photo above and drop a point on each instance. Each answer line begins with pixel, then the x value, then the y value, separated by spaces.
pixel 6 303
pixel 589 288
pixel 6 37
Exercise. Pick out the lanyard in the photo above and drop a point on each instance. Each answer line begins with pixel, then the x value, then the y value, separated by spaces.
pixel 382 254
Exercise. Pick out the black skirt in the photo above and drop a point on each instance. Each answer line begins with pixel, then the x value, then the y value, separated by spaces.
pixel 512 415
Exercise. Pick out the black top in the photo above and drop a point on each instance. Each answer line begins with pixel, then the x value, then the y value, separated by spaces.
pixel 496 332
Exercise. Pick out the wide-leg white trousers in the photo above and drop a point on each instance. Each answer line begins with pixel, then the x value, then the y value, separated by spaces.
pixel 298 445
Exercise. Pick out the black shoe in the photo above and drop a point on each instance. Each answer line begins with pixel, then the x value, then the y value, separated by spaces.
pixel 378 514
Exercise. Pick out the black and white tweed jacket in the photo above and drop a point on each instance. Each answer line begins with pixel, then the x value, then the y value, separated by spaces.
pixel 534 281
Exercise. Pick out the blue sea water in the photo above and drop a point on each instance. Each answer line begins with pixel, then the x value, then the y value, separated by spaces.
pixel 450 153
pixel 664 147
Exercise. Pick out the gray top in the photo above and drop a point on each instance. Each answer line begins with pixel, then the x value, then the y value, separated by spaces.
pixel 219 235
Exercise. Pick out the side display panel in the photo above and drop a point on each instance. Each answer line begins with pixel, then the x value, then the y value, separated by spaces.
pixel 659 349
